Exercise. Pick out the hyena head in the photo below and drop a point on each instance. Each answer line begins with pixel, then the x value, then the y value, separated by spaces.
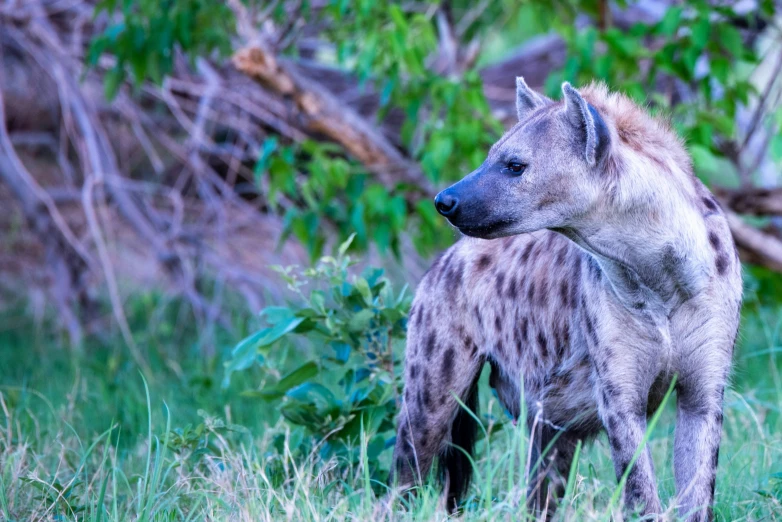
pixel 540 174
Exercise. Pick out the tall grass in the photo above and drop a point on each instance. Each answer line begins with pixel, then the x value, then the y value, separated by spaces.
pixel 87 437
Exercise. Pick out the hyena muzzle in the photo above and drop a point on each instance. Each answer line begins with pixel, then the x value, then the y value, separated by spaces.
pixel 595 267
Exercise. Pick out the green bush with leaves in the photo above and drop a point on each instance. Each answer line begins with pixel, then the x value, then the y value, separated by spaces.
pixel 696 43
pixel 145 34
pixel 346 330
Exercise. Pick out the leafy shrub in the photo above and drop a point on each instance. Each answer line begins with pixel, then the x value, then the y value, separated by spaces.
pixel 144 40
pixel 696 43
pixel 351 326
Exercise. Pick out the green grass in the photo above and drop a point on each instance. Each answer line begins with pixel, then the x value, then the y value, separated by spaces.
pixel 84 436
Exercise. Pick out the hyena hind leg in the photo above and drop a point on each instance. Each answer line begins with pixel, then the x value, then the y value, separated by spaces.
pixel 432 425
pixel 549 472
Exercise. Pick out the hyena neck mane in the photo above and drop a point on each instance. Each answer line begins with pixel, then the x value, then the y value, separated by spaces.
pixel 647 230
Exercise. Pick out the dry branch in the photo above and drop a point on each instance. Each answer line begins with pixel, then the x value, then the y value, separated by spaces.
pixel 756 246
pixel 67 258
pixel 322 113
pixel 753 201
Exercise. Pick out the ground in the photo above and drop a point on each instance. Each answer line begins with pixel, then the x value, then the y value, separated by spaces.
pixel 85 436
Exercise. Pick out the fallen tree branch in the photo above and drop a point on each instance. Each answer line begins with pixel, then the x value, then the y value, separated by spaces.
pixel 753 201
pixel 322 113
pixel 756 246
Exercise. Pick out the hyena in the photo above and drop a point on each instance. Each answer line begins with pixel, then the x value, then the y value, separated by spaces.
pixel 593 269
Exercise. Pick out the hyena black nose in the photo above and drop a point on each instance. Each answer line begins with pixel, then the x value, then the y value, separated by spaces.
pixel 445 204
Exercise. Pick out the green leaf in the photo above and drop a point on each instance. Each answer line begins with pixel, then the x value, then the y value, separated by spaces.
pixel 670 22
pixel 112 81
pixel 730 39
pixel 700 32
pixel 360 320
pixel 298 376
pixel 244 355
pixel 343 248
pixel 362 286
pixel 270 335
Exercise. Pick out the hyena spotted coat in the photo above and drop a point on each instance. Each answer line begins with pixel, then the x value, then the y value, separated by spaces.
pixel 595 266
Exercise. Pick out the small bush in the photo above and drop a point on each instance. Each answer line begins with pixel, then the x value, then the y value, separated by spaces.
pixel 349 327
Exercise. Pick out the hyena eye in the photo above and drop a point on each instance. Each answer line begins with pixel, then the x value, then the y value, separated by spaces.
pixel 516 167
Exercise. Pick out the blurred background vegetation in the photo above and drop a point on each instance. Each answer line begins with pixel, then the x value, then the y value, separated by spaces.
pixel 171 168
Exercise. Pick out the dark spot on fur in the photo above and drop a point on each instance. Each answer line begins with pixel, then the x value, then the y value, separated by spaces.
pixel 613 424
pixel 413 370
pixel 512 289
pixel 710 204
pixel 448 364
pixel 616 446
pixel 590 326
pixel 543 343
pixel 639 305
pixel 561 255
pixel 525 330
pixel 566 338
pixel 499 282
pixel 427 398
pixel 714 240
pixel 623 465
pixel 478 316
pixel 527 251
pixel 473 349
pixel 453 276
pixel 574 291
pixel 431 343
pixel 484 262
pixel 411 317
pixel 423 438
pixel 498 323
pixel 531 291
pixel 722 264
pixel 543 293
pixel 564 292
pixel 631 278
pixel 419 420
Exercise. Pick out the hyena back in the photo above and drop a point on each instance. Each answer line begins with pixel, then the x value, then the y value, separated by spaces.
pixel 595 267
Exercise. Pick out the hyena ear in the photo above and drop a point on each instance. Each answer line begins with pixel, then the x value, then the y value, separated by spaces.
pixel 527 100
pixel 589 125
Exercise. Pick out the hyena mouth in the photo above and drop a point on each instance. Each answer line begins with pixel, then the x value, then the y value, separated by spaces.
pixel 483 231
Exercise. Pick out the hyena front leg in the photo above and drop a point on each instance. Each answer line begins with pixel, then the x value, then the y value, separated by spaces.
pixel 622 406
pixel 696 446
pixel 440 366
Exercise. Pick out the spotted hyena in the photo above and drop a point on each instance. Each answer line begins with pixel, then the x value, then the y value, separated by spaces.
pixel 595 267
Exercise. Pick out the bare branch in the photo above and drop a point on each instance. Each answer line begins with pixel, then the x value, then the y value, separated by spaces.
pixel 322 113
pixel 754 201
pixel 757 246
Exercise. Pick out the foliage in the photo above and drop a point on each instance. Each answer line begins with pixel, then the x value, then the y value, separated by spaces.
pixel 696 43
pixel 352 323
pixel 447 125
pixel 144 40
